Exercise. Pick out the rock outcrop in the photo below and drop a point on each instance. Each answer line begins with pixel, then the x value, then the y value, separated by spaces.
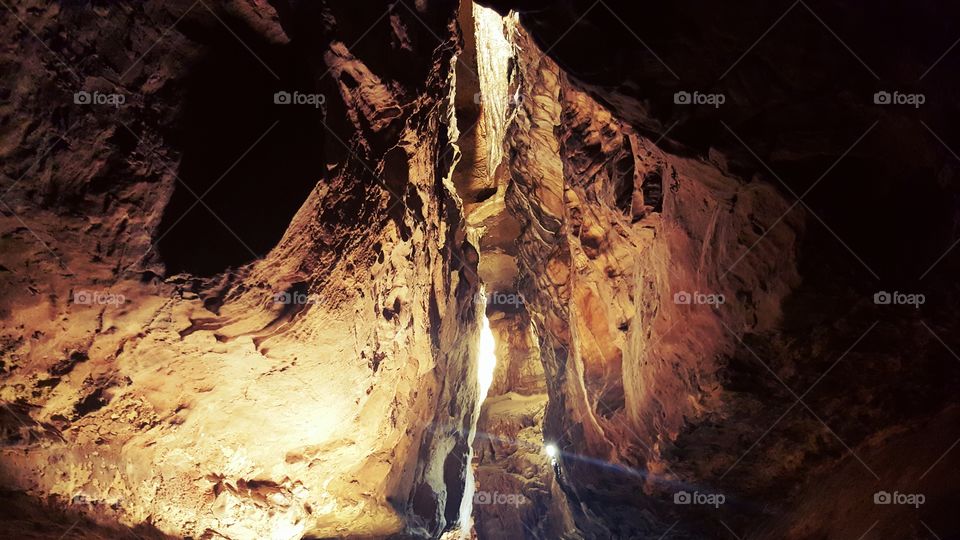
pixel 704 328
pixel 239 300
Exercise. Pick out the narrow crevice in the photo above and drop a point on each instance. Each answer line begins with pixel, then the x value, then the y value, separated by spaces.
pixel 504 437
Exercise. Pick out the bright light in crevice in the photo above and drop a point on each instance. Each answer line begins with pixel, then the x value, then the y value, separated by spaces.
pixel 486 359
pixel 551 450
pixel 494 53
pixel 486 364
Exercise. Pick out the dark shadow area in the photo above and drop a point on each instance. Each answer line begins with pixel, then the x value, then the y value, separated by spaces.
pixel 26 518
pixel 253 161
pixel 876 218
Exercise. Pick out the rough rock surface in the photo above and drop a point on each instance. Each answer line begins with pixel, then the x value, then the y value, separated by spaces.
pixel 224 315
pixel 289 354
pixel 799 397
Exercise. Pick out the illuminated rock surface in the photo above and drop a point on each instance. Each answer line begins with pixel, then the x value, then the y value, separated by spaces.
pixel 298 354
pixel 203 406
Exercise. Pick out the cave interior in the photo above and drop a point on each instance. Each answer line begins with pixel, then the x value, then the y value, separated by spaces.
pixel 480 269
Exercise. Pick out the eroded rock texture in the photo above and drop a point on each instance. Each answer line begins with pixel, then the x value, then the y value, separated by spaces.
pixel 242 245
pixel 799 397
pixel 225 315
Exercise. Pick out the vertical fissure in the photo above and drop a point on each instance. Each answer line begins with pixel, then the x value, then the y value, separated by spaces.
pixel 481 113
pixel 506 434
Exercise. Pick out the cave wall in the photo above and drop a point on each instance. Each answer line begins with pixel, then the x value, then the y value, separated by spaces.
pixel 151 378
pixel 603 252
pixel 296 355
pixel 798 397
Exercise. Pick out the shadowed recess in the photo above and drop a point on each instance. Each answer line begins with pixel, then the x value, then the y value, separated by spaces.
pixel 255 160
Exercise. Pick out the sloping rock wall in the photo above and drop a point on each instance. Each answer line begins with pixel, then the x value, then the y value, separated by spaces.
pixel 296 354
pixel 638 212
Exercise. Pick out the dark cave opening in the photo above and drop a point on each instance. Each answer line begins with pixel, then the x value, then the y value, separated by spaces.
pixel 251 160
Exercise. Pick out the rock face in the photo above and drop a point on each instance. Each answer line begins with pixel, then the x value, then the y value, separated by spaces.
pixel 614 230
pixel 238 299
pixel 704 331
pixel 243 246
